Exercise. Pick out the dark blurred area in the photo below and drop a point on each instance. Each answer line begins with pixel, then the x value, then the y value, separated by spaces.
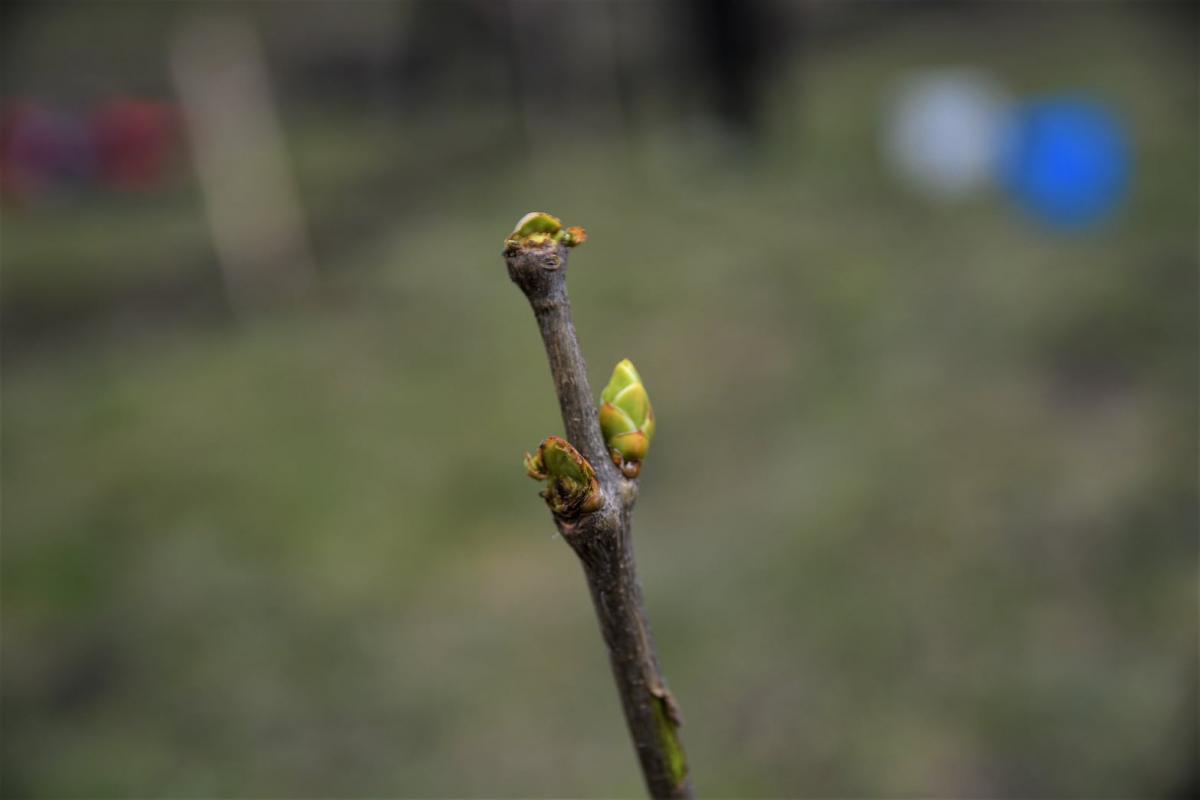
pixel 914 289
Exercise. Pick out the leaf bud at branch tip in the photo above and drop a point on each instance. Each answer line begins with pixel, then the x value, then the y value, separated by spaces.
pixel 539 229
pixel 626 418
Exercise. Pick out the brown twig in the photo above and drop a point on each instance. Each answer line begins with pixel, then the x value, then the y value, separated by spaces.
pixel 602 538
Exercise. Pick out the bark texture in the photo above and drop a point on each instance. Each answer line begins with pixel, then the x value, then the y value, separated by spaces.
pixel 602 539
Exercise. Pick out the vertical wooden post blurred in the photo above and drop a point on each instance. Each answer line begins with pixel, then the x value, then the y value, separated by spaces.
pixel 238 148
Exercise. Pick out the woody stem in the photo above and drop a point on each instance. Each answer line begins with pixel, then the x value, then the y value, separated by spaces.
pixel 602 539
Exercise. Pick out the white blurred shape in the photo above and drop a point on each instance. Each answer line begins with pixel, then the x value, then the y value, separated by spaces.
pixel 945 131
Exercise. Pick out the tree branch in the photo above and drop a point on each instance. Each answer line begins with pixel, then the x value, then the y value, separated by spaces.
pixel 601 539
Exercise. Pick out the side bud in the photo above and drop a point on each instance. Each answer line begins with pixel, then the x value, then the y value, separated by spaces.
pixel 626 418
pixel 572 488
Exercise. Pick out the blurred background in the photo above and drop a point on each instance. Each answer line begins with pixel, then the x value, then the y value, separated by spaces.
pixel 913 288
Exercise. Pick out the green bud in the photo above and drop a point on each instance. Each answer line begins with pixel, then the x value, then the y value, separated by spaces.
pixel 538 229
pixel 626 418
pixel 624 375
pixel 572 489
pixel 537 222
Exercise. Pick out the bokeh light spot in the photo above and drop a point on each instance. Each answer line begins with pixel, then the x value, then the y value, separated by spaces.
pixel 1069 162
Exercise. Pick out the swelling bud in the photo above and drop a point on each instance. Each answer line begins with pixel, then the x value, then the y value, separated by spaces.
pixel 572 488
pixel 626 419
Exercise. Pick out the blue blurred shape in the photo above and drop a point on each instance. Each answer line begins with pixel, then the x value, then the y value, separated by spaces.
pixel 1069 162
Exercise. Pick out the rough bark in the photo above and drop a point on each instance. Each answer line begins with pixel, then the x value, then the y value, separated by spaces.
pixel 602 539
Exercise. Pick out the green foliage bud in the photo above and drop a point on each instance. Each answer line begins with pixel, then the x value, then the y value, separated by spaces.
pixel 572 488
pixel 538 229
pixel 537 222
pixel 626 418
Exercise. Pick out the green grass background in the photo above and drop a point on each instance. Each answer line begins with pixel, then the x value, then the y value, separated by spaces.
pixel 919 519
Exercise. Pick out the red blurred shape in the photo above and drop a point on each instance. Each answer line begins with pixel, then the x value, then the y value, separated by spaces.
pixel 134 141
